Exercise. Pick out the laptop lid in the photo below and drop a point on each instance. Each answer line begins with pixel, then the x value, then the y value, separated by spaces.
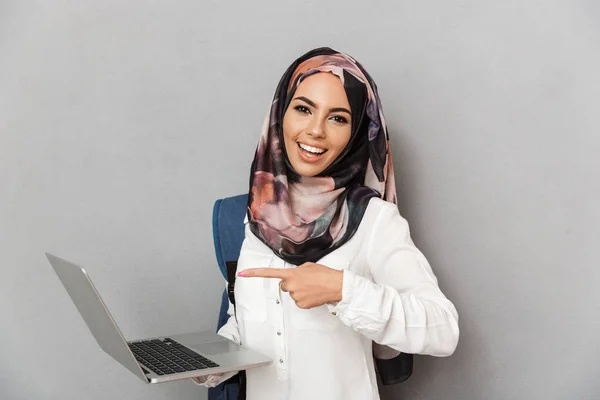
pixel 95 314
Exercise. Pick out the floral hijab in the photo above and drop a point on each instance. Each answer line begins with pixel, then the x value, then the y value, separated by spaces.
pixel 302 219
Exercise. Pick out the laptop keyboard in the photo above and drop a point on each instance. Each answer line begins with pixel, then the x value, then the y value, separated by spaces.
pixel 166 356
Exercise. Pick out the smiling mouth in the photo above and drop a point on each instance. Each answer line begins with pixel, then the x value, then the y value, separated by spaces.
pixel 311 151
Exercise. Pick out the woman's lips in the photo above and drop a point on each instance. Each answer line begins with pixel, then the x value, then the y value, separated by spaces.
pixel 308 156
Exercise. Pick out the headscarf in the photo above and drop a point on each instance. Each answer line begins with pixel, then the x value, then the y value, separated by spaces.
pixel 302 219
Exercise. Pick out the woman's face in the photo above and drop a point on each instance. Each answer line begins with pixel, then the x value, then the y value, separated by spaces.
pixel 317 124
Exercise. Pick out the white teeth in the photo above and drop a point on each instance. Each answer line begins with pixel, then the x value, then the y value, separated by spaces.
pixel 312 149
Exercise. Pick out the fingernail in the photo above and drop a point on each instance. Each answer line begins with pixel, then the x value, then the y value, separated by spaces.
pixel 242 273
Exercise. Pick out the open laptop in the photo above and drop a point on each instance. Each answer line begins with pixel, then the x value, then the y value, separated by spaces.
pixel 154 360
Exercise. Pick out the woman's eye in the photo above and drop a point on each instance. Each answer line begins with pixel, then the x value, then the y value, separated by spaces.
pixel 340 119
pixel 302 109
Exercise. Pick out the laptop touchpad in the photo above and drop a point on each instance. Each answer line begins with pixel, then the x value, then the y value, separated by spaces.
pixel 222 346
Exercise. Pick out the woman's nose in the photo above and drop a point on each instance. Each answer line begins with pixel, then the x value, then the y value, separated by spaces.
pixel 316 128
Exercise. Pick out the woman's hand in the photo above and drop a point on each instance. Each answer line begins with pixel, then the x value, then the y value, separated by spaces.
pixel 208 380
pixel 310 285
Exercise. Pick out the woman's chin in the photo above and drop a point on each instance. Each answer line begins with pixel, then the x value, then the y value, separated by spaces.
pixel 303 168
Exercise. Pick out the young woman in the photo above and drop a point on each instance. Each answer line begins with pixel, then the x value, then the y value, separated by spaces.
pixel 327 267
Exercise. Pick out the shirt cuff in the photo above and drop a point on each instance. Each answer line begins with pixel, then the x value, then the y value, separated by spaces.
pixel 348 284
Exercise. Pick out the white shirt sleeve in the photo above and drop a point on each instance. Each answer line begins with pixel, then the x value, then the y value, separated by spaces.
pixel 402 307
pixel 229 331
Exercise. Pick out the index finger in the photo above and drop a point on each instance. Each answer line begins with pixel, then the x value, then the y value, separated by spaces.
pixel 264 273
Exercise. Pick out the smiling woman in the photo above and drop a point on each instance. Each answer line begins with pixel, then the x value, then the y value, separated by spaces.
pixel 327 268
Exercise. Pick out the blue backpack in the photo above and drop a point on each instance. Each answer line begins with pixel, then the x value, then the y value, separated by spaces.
pixel 228 235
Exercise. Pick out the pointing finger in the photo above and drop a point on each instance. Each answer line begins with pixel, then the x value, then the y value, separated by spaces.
pixel 264 273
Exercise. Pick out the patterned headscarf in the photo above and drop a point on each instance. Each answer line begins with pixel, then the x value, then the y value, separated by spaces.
pixel 305 218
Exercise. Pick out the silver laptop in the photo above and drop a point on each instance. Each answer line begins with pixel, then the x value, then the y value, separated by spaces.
pixel 154 360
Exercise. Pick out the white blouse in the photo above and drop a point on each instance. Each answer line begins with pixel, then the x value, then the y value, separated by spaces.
pixel 390 296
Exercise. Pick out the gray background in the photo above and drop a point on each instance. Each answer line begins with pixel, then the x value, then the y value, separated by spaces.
pixel 122 121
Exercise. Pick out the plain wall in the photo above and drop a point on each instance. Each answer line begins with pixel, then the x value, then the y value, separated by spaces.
pixel 121 122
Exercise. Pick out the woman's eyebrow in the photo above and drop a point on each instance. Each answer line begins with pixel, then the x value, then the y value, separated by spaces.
pixel 312 104
pixel 340 109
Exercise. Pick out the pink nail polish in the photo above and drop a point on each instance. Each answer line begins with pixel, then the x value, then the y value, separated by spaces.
pixel 242 273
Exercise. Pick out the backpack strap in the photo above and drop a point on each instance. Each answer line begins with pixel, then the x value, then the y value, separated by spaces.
pixel 394 370
pixel 231 273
